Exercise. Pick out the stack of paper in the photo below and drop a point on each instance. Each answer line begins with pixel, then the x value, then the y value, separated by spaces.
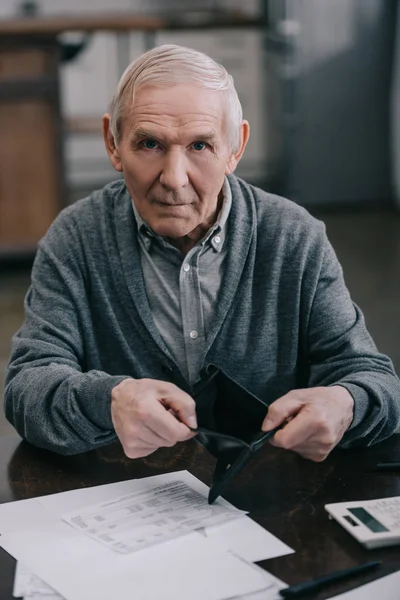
pixel 150 538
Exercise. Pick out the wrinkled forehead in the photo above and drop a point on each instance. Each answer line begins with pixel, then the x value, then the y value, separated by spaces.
pixel 177 106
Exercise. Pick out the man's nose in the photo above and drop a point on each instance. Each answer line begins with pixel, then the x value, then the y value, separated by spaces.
pixel 174 173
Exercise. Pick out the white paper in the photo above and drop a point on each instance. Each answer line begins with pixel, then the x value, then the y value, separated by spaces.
pixel 149 515
pixel 21 515
pixel 38 595
pixel 30 587
pixel 386 588
pixel 271 590
pixel 37 589
pixel 42 515
pixel 21 578
pixel 79 568
pixel 245 538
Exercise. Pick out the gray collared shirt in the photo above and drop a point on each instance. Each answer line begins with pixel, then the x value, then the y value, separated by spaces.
pixel 183 290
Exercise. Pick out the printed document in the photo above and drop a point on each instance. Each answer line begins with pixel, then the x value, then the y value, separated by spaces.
pixel 150 516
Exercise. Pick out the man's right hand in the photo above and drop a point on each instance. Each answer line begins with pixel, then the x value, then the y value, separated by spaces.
pixel 142 412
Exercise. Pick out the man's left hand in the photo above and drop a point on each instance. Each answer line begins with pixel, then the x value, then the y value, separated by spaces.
pixel 316 419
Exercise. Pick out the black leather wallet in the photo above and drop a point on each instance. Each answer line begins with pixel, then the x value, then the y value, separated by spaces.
pixel 229 425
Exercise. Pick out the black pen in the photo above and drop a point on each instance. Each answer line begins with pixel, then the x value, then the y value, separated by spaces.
pixel 293 591
pixel 388 466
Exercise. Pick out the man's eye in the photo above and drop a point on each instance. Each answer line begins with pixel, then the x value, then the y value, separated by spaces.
pixel 199 146
pixel 149 144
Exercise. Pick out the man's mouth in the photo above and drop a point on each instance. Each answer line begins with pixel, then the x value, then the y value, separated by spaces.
pixel 172 204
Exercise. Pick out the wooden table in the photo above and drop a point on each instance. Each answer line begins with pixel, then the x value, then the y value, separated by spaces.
pixel 283 492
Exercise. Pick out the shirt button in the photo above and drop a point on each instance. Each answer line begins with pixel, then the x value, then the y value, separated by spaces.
pixel 194 334
pixel 186 267
pixel 217 239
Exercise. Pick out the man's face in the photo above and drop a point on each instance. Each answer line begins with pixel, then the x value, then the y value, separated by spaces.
pixel 174 154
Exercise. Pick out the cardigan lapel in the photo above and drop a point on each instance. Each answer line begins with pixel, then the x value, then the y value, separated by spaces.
pixel 126 233
pixel 241 249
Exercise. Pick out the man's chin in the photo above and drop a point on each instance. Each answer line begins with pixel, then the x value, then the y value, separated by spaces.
pixel 173 232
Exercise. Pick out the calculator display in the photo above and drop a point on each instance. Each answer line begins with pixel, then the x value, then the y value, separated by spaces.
pixel 367 519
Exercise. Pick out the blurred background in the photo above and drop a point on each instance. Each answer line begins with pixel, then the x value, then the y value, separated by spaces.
pixel 319 81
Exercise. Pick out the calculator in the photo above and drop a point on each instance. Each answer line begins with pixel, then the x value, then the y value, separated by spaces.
pixel 374 523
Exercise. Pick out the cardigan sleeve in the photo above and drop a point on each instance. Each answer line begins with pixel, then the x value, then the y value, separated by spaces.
pixel 49 398
pixel 342 352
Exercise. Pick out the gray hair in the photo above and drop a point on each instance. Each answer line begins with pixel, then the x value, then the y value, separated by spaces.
pixel 168 65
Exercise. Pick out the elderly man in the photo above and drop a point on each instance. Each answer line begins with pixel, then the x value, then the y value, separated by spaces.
pixel 180 265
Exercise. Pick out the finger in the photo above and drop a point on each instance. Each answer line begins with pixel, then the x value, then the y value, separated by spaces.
pixel 138 451
pixel 314 454
pixel 169 429
pixel 183 405
pixel 282 410
pixel 297 432
pixel 312 451
pixel 148 437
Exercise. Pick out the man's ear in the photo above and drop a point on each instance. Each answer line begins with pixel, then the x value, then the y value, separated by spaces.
pixel 111 147
pixel 235 157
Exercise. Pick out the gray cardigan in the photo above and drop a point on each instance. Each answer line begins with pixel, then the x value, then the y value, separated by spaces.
pixel 284 320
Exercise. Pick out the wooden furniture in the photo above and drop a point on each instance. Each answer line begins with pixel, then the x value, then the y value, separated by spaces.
pixel 283 492
pixel 32 183
pixel 121 21
pixel 31 176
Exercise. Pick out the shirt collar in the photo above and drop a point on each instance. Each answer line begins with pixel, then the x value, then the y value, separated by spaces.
pixel 215 236
pixel 146 234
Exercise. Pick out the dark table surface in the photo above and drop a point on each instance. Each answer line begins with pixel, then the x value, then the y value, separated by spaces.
pixel 283 492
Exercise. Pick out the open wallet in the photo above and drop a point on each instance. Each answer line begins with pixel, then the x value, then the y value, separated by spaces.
pixel 229 425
